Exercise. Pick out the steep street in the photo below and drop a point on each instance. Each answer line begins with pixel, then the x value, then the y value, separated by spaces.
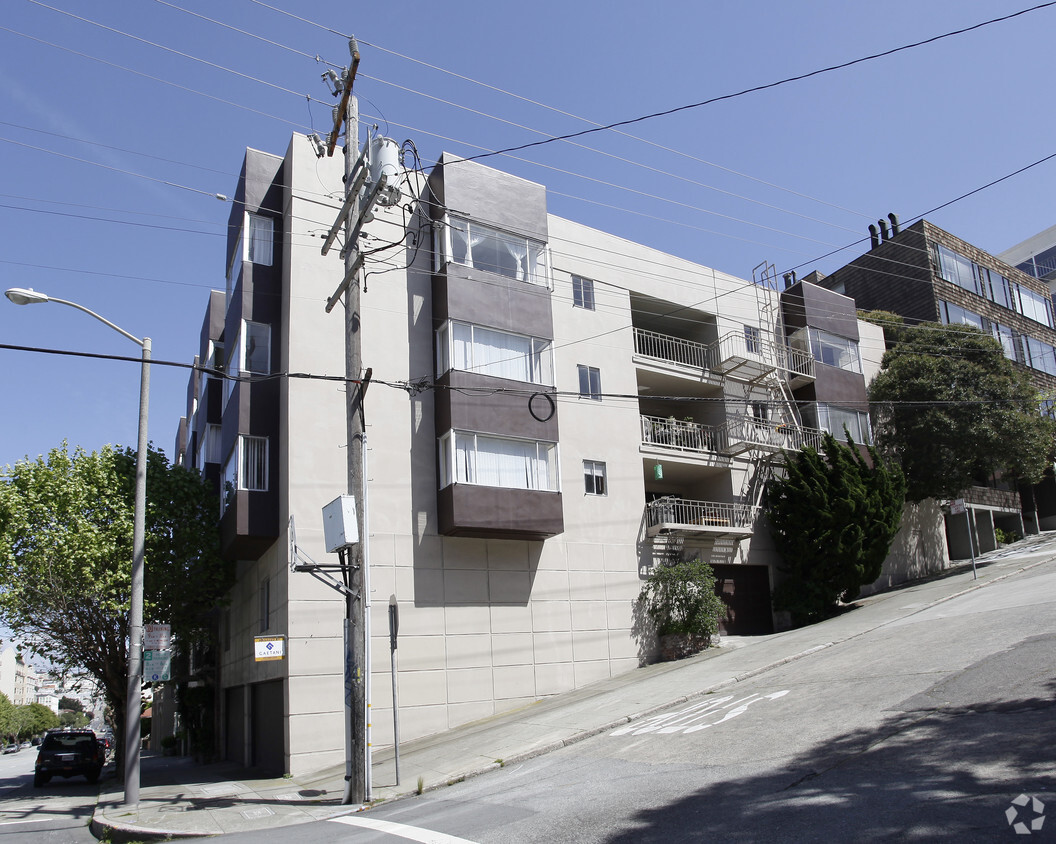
pixel 926 727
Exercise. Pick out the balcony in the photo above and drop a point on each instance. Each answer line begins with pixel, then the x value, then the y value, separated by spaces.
pixel 671 515
pixel 686 436
pixel 669 349
pixel 749 357
pixel 747 433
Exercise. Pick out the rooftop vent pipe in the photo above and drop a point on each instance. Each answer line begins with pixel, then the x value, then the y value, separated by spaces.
pixel 893 217
pixel 874 237
pixel 883 230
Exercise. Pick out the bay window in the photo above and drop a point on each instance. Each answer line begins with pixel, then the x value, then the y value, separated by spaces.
pixel 486 460
pixel 835 419
pixel 487 351
pixel 482 247
pixel 829 349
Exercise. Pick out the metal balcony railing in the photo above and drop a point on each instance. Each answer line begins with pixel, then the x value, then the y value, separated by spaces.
pixel 669 514
pixel 745 432
pixel 652 344
pixel 739 348
pixel 682 435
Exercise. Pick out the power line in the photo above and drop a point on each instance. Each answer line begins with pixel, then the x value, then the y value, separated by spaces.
pixel 755 89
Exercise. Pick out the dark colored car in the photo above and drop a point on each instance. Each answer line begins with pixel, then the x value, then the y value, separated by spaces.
pixel 69 753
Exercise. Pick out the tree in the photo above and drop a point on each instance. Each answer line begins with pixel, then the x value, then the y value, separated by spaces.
pixel 36 718
pixel 833 517
pixel 66 557
pixel 952 409
pixel 68 718
pixel 680 599
pixel 70 704
pixel 7 715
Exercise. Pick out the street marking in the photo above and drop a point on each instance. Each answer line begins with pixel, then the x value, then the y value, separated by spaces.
pixel 689 720
pixel 426 836
pixel 28 820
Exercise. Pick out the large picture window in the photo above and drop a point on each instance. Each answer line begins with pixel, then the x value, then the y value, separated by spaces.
pixel 1040 356
pixel 982 281
pixel 486 351
pixel 490 249
pixel 470 458
pixel 829 349
pixel 834 419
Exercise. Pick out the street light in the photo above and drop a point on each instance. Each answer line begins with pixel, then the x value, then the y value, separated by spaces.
pixel 23 296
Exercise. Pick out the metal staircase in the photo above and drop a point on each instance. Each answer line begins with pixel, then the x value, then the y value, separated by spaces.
pixel 776 402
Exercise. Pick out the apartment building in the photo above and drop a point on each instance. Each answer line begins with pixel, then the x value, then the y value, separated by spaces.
pixel 926 274
pixel 1036 256
pixel 553 411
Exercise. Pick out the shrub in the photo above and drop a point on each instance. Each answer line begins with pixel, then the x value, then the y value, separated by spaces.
pixel 681 599
pixel 1006 536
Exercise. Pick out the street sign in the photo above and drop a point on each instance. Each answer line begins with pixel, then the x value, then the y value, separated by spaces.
pixel 157 637
pixel 957 506
pixel 157 666
pixel 267 648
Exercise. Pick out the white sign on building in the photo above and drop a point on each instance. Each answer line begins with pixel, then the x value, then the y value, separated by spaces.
pixel 266 648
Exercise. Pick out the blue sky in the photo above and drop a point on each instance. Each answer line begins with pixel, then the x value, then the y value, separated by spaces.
pixel 120 119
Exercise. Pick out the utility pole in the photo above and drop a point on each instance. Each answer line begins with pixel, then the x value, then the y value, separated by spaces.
pixel 356 773
pixel 371 177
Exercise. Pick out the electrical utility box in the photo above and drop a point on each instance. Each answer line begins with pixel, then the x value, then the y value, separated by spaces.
pixel 339 523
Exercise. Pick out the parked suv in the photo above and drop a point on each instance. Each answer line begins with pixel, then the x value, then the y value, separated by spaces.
pixel 69 753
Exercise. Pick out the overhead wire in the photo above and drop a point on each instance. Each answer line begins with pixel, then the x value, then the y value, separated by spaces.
pixel 172 50
pixel 153 78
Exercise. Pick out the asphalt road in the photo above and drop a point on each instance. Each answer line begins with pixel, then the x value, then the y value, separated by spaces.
pixel 939 726
pixel 57 813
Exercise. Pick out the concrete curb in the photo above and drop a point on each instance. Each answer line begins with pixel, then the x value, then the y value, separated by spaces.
pixel 104 827
pixel 107 830
pixel 747 675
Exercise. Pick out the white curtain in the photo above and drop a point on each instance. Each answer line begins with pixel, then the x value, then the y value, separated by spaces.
pixel 261 237
pixel 511 464
pixel 502 355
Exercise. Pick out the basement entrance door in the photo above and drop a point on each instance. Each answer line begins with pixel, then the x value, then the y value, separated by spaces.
pixel 746 592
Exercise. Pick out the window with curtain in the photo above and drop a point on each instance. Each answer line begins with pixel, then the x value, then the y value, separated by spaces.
pixel 833 419
pixel 490 249
pixel 260 243
pixel 257 351
pixel 254 463
pixel 594 477
pixel 486 351
pixel 509 463
pixel 209 447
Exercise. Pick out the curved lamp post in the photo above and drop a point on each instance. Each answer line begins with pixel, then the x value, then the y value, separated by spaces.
pixel 22 296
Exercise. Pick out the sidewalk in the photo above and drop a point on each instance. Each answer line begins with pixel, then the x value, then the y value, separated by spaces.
pixel 181 799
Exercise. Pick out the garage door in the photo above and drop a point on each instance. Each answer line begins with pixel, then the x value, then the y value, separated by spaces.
pixel 746 592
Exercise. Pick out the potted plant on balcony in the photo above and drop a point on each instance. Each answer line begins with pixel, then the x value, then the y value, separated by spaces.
pixel 680 600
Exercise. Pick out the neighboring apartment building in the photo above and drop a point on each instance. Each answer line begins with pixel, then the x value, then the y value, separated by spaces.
pixel 1035 256
pixel 553 411
pixel 926 274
